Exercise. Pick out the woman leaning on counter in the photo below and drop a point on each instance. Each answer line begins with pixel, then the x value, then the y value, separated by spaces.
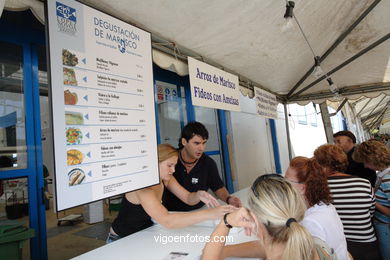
pixel 139 207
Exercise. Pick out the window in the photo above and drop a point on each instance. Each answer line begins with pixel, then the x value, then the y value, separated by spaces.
pixel 312 112
pixel 301 114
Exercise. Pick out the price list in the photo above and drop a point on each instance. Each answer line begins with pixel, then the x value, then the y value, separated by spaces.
pixel 102 105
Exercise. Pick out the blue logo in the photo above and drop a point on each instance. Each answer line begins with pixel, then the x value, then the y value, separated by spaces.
pixel 122 46
pixel 66 19
pixel 66 12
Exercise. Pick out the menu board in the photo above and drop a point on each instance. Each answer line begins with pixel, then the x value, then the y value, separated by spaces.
pixel 102 104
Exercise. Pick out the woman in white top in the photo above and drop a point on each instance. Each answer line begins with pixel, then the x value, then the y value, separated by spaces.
pixel 321 218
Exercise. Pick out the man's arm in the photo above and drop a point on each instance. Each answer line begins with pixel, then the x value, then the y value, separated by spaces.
pixel 191 198
pixel 383 209
pixel 223 195
pixel 216 185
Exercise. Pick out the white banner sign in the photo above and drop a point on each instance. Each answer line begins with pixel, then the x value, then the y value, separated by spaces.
pixel 266 103
pixel 212 87
pixel 102 105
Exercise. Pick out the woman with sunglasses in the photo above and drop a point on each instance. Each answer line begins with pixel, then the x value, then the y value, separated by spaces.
pixel 275 211
pixel 139 207
pixel 321 218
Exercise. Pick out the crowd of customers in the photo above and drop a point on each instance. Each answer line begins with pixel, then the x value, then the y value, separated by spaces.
pixel 335 205
pixel 342 211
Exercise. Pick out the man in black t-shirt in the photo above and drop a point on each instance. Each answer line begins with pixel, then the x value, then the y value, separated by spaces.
pixel 347 140
pixel 195 170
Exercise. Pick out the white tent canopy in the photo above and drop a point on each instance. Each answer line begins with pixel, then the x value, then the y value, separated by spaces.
pixel 250 39
pixel 247 37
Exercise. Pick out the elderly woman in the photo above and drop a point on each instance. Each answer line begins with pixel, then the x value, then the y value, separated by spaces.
pixel 376 156
pixel 321 218
pixel 354 201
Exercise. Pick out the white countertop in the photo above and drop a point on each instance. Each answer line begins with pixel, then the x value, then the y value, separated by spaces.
pixel 146 245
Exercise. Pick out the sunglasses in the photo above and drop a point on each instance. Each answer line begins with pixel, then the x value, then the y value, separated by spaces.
pixel 262 178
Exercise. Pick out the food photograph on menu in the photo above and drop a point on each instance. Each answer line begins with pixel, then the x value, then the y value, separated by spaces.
pixel 69 58
pixel 76 176
pixel 73 136
pixel 70 77
pixel 70 98
pixel 74 157
pixel 73 118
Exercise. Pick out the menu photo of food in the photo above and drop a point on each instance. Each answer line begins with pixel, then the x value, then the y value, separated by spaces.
pixel 73 136
pixel 76 176
pixel 69 58
pixel 70 98
pixel 74 157
pixel 69 77
pixel 74 118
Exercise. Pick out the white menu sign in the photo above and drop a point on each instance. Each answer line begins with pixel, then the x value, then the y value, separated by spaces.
pixel 102 104
pixel 266 103
pixel 212 87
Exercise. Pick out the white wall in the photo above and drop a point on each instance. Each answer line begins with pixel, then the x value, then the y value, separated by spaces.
pixel 252 144
pixel 281 134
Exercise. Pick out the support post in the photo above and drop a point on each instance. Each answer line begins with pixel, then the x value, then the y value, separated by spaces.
pixel 327 123
pixel 275 146
pixel 288 132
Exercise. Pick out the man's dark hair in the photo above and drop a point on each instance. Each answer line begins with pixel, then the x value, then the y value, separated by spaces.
pixel 347 134
pixel 191 129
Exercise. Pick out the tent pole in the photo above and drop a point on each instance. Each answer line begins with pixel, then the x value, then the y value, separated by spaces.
pixel 367 117
pixel 288 132
pixel 340 107
pixel 327 123
pixel 361 110
pixel 380 117
pixel 335 44
pixel 345 63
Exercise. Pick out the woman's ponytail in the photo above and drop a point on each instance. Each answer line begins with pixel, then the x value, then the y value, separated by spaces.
pixel 299 244
pixel 280 208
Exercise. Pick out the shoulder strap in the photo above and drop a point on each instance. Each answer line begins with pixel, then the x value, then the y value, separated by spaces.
pixel 323 250
pixel 379 178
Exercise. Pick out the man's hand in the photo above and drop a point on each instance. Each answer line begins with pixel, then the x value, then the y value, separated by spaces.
pixel 234 201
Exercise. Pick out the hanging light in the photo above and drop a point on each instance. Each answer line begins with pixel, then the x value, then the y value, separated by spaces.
pixel 317 72
pixel 288 15
pixel 333 88
pixel 289 10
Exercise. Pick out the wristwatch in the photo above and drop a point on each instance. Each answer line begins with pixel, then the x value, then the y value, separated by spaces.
pixel 225 221
pixel 228 198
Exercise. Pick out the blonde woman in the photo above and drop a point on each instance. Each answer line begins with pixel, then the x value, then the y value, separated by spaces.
pixel 138 207
pixel 276 209
pixel 376 156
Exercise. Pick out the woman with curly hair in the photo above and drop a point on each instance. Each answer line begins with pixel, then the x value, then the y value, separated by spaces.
pixel 321 218
pixel 354 201
pixel 376 156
